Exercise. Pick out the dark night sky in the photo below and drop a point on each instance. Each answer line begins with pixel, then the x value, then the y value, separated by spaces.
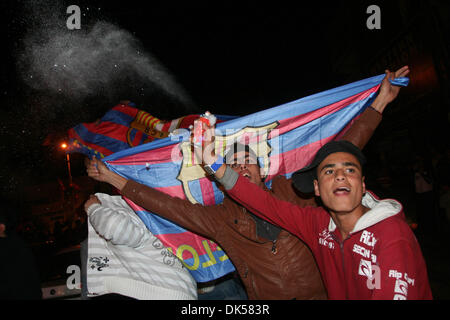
pixel 229 57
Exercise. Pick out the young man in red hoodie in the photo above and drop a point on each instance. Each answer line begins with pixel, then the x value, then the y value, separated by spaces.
pixel 363 246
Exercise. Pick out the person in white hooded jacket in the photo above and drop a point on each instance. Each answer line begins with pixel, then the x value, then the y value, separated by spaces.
pixel 125 258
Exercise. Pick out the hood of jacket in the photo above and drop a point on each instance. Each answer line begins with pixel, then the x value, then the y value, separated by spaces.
pixel 379 210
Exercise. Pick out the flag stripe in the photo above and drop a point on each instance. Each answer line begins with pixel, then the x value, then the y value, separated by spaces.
pixel 100 139
pixel 206 190
pixel 118 116
pixel 349 103
pixel 315 130
pixel 73 133
pixel 127 110
pixel 164 155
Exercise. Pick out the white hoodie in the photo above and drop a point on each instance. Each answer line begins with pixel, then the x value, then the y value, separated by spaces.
pixel 124 257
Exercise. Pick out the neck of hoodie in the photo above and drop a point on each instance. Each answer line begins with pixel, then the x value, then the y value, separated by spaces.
pixel 378 210
pixel 345 222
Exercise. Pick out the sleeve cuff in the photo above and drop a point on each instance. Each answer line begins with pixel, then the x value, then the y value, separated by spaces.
pixel 92 208
pixel 375 110
pixel 229 178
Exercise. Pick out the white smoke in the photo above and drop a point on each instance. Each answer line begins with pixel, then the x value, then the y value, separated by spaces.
pixel 91 61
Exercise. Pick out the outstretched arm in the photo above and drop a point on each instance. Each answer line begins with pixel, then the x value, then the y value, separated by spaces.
pixel 363 128
pixel 194 217
pixel 388 91
pixel 297 220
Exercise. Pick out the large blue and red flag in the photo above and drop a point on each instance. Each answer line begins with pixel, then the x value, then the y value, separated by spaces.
pixel 284 138
pixel 123 127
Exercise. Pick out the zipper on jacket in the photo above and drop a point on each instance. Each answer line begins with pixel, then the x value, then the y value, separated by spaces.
pixel 274 247
pixel 341 247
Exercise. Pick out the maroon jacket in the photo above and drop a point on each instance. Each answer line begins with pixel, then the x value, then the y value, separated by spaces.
pixel 380 258
pixel 279 269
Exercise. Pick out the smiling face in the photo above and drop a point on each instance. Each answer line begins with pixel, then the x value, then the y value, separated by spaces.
pixel 340 183
pixel 247 166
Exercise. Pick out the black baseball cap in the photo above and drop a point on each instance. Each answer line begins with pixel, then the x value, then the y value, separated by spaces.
pixel 303 179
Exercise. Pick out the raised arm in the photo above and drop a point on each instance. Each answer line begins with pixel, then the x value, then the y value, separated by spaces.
pixel 194 217
pixel 297 220
pixel 363 128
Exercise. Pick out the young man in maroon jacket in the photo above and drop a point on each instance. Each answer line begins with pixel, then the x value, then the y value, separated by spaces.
pixel 363 246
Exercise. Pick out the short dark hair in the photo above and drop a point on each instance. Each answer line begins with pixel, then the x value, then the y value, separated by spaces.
pixel 238 147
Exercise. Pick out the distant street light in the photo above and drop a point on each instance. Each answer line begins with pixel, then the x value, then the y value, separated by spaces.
pixel 64 146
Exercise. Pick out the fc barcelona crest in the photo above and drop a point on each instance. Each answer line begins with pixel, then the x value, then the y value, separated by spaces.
pixel 254 137
pixel 144 123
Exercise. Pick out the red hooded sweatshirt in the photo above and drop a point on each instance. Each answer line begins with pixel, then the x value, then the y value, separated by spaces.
pixel 380 259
